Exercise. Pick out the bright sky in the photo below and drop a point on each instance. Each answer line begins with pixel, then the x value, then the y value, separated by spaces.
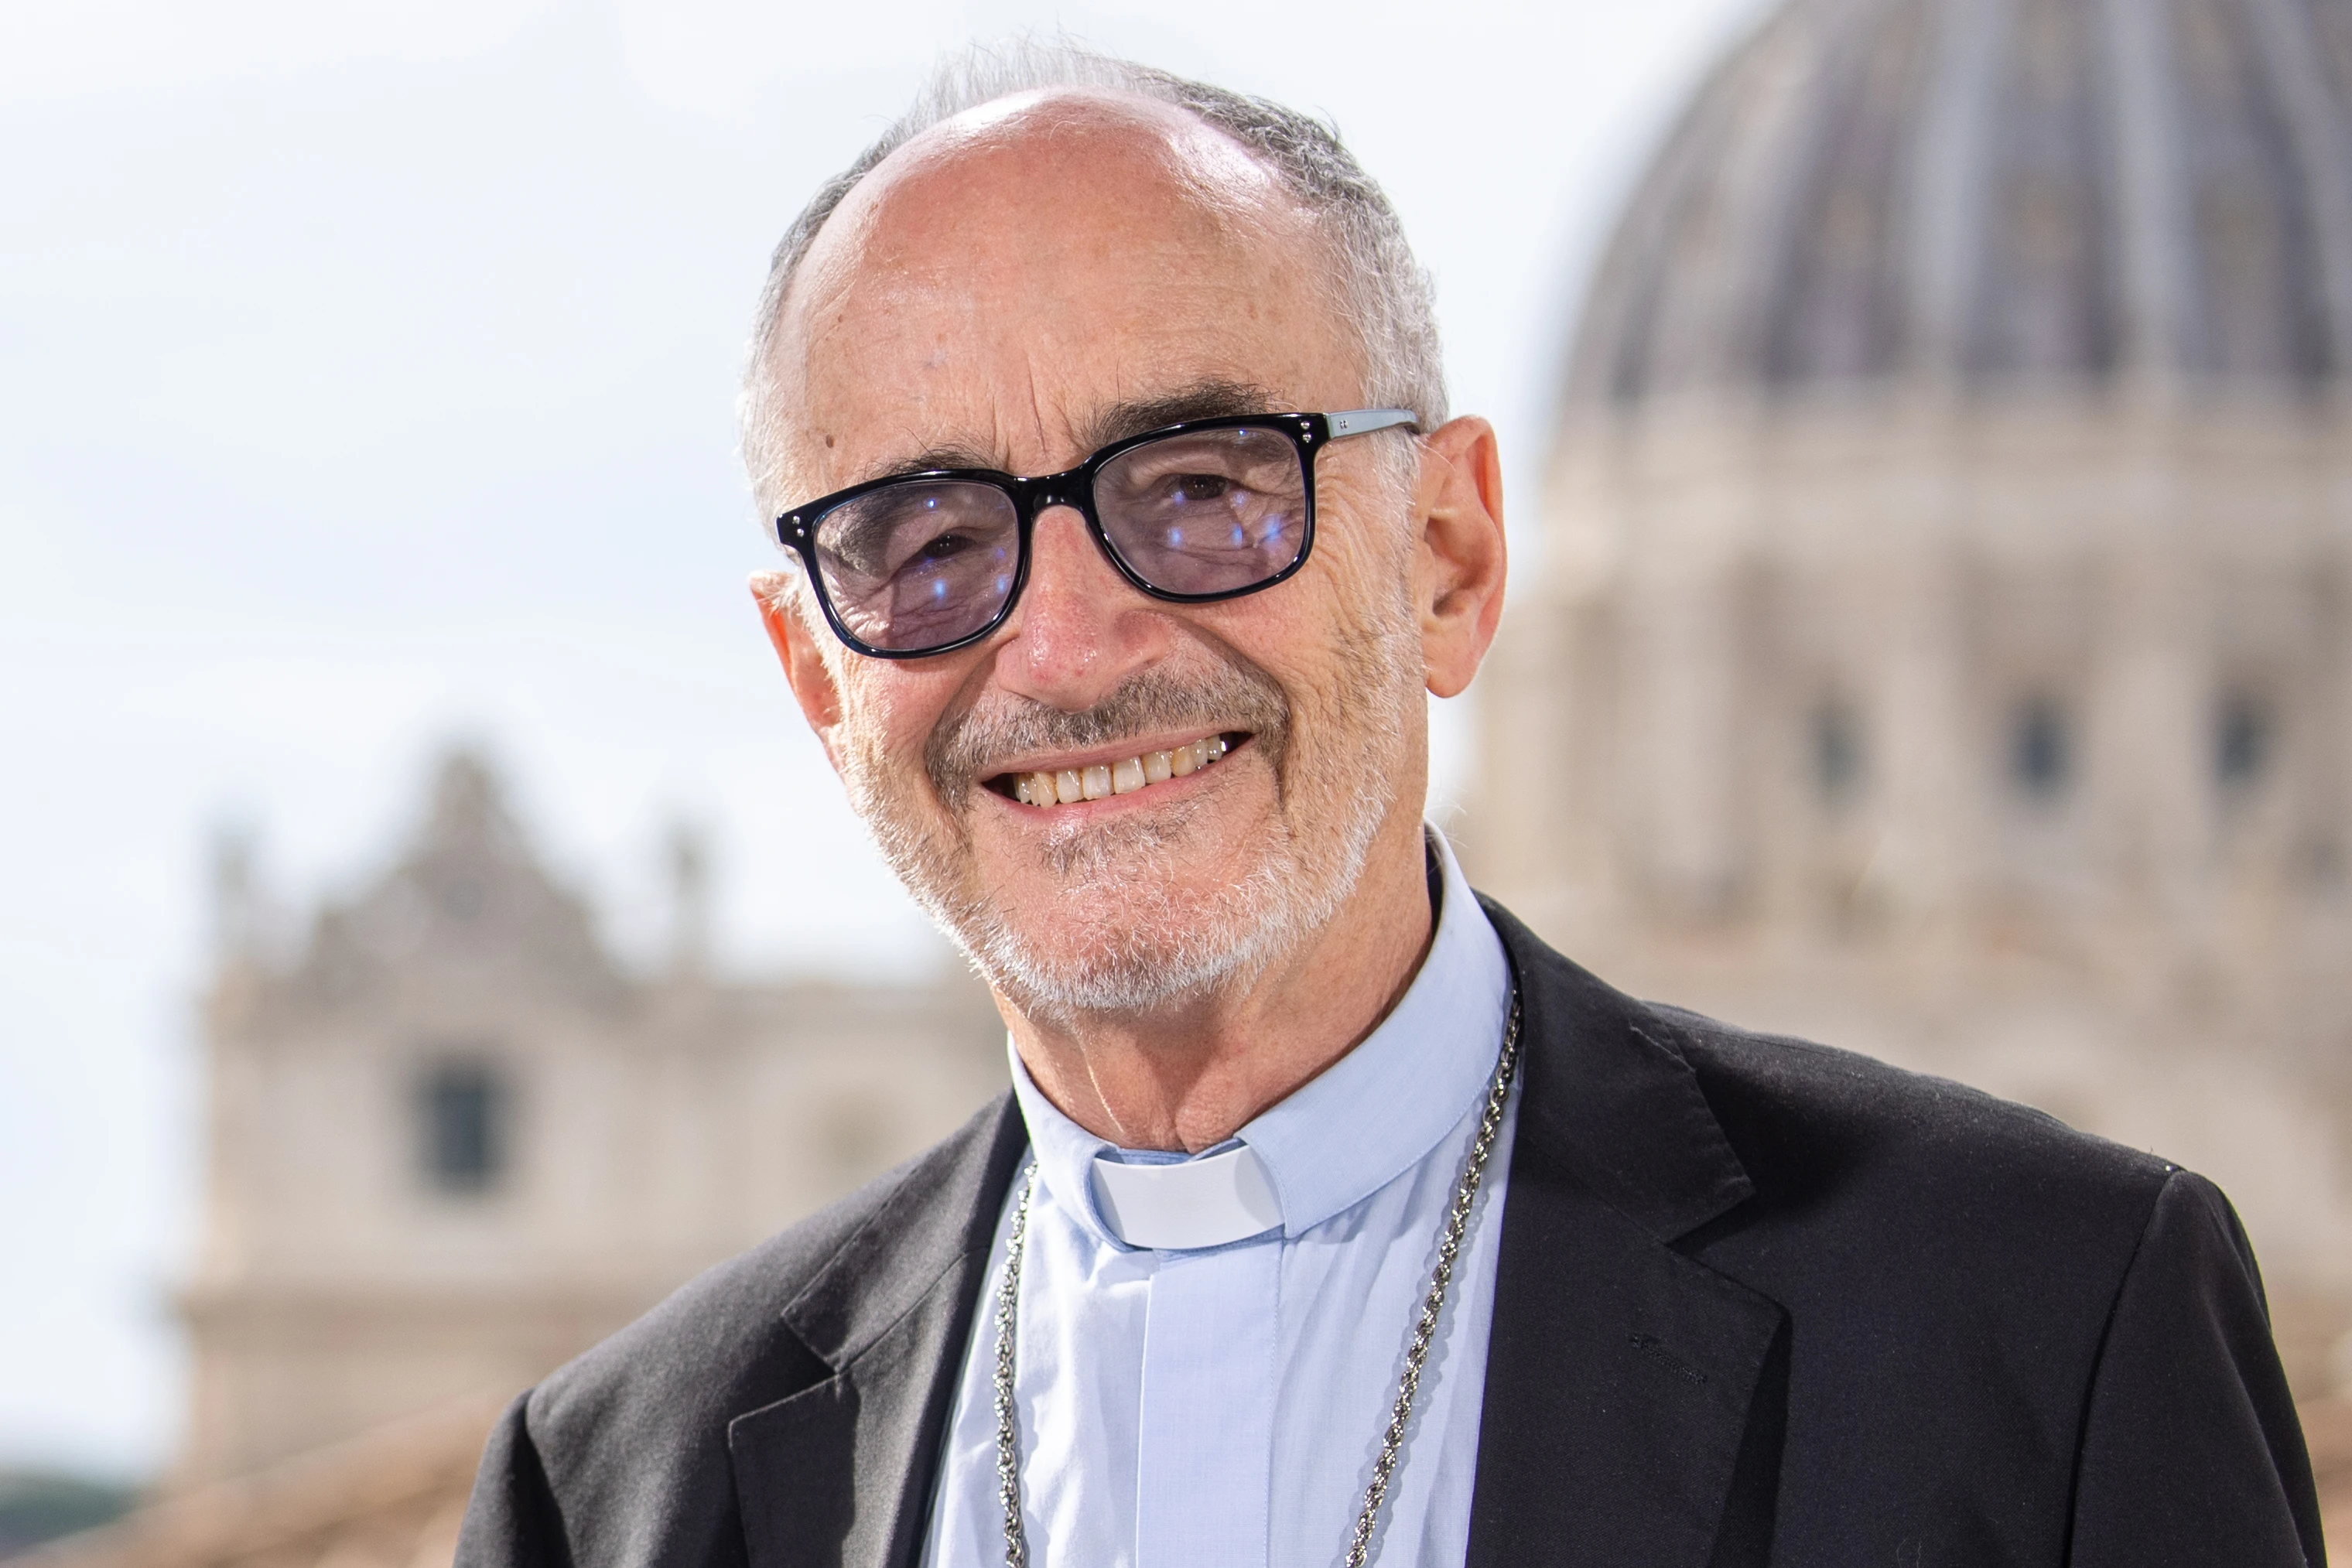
pixel 368 374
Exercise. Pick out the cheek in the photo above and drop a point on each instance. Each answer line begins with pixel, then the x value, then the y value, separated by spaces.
pixel 1362 522
pixel 1367 593
pixel 890 721
pixel 1366 669
pixel 888 714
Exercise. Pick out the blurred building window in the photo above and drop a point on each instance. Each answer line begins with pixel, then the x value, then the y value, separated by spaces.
pixel 2241 741
pixel 1837 753
pixel 2041 750
pixel 463 1109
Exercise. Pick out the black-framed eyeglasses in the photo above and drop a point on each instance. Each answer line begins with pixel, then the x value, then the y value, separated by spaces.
pixel 925 563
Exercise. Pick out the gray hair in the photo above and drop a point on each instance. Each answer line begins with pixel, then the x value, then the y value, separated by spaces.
pixel 1381 291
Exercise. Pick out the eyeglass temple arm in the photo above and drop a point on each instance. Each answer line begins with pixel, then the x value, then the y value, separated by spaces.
pixel 1364 420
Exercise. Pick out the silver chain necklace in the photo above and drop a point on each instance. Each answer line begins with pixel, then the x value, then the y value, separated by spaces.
pixel 1416 1350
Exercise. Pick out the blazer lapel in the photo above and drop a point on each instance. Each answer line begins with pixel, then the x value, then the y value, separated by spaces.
pixel 840 1474
pixel 1631 1414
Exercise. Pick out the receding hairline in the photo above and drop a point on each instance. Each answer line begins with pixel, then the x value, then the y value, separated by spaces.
pixel 1384 295
pixel 839 251
pixel 994 127
pixel 1083 106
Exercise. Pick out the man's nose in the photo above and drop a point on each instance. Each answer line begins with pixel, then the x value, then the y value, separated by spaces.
pixel 1080 627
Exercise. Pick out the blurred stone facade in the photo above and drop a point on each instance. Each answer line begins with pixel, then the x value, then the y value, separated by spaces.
pixel 1942 644
pixel 453 1142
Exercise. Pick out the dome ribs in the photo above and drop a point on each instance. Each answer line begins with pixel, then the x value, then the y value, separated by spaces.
pixel 2071 195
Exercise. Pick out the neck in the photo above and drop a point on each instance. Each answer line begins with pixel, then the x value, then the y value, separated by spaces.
pixel 1188 1076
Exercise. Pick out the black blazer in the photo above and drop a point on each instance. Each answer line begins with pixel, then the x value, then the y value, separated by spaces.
pixel 1758 1303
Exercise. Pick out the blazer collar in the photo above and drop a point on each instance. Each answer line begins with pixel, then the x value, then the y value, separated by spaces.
pixel 943 1214
pixel 1609 1094
pixel 1635 1395
pixel 841 1472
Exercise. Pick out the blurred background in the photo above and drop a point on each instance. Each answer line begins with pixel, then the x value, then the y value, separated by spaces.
pixel 427 934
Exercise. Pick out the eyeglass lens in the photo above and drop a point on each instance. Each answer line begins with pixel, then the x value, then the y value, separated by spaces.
pixel 920 565
pixel 928 562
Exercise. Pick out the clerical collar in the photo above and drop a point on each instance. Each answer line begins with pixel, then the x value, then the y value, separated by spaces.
pixel 1352 1130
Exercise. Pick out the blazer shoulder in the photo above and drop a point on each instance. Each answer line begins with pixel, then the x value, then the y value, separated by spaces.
pixel 621 1459
pixel 738 1336
pixel 1806 1119
pixel 1682 1120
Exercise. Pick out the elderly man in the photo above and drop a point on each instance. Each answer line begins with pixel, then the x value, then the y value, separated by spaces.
pixel 1332 1216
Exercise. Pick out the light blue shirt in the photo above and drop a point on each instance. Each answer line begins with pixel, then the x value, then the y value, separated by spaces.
pixel 1222 1406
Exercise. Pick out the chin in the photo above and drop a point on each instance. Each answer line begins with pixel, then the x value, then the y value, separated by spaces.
pixel 1112 928
pixel 1062 967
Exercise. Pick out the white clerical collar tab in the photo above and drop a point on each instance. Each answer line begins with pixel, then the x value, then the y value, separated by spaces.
pixel 1198 1203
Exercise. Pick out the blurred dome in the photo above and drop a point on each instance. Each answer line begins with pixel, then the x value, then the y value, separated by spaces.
pixel 1984 194
pixel 1942 643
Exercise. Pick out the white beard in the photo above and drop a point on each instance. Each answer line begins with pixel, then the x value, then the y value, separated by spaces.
pixel 1152 946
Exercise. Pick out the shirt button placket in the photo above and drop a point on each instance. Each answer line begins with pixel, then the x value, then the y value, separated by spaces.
pixel 1205 1449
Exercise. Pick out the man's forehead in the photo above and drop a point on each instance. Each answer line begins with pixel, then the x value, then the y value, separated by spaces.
pixel 912 448
pixel 1038 165
pixel 1032 281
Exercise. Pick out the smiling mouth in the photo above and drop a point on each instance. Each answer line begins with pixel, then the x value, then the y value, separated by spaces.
pixel 1103 780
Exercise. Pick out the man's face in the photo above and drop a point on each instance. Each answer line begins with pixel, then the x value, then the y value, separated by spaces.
pixel 1014 290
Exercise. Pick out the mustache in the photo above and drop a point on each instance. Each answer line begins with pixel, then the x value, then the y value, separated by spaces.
pixel 1234 696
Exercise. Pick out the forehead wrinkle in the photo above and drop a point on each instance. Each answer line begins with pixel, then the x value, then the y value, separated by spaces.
pixel 1036 403
pixel 1210 398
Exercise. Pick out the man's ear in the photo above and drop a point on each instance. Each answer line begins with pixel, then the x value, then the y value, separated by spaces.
pixel 798 651
pixel 1461 558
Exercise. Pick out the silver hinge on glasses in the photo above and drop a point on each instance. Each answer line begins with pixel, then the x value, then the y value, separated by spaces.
pixel 1363 420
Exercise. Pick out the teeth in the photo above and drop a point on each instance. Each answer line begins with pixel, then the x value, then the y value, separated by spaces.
pixel 1125 778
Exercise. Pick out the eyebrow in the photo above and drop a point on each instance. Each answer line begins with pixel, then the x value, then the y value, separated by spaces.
pixel 1211 399
pixel 1202 400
